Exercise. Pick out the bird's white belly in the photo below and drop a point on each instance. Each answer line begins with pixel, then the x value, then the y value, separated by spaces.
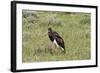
pixel 55 42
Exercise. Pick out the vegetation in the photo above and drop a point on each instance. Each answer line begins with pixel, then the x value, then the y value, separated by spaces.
pixel 73 27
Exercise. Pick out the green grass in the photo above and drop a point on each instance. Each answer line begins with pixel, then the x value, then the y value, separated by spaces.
pixel 74 28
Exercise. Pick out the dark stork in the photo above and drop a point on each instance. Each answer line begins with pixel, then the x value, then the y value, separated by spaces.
pixel 56 39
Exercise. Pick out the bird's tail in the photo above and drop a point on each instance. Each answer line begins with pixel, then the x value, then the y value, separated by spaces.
pixel 64 51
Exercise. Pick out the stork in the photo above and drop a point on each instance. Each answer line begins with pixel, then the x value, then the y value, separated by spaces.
pixel 56 39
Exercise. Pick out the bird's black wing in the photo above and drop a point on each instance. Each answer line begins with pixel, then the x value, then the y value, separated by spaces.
pixel 55 33
pixel 60 41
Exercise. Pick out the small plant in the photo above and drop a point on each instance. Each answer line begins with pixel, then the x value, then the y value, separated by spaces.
pixel 85 19
pixel 54 21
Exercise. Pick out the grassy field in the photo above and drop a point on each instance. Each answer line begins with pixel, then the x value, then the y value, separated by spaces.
pixel 74 28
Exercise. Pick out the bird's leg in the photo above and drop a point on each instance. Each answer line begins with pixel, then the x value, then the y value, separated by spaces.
pixel 54 46
pixel 50 46
pixel 56 49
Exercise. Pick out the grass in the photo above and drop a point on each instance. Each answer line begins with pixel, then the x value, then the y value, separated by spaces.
pixel 74 28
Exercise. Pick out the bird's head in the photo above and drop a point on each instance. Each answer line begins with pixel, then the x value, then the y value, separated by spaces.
pixel 49 30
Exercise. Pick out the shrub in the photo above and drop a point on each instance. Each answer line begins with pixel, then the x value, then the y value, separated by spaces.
pixel 85 19
pixel 30 16
pixel 54 21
